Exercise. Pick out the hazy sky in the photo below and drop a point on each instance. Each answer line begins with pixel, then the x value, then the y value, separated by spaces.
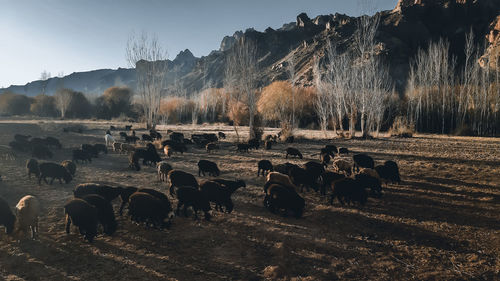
pixel 69 36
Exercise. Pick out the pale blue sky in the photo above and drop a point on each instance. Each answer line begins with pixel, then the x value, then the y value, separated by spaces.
pixel 69 36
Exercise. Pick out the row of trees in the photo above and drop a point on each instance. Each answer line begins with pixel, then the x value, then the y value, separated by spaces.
pixel 67 103
pixel 440 101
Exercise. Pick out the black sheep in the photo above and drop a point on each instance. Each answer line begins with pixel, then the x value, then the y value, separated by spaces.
pixel 349 190
pixel 21 146
pixel 146 137
pixel 125 194
pixel 253 143
pixel 243 147
pixel 108 192
pixel 128 127
pixel 52 142
pixel 84 216
pixel 372 183
pixel 32 168
pixel 222 135
pixel 149 209
pixel 54 171
pixel 167 207
pixel 123 135
pixel 343 150
pixel 177 137
pixel 131 139
pixel 315 169
pixel 330 149
pixel 90 149
pixel 178 147
pixel 232 186
pixel 268 144
pixel 178 178
pixel 290 139
pixel 264 166
pixel 99 147
pixel 280 198
pixel 327 179
pixel 293 152
pixel 80 155
pixel 22 138
pixel 363 161
pixel 210 137
pixel 7 218
pixel 189 196
pixel 284 168
pixel 218 195
pixel 41 152
pixel 105 213
pixel 393 171
pixel 301 177
pixel 325 159
pixel 208 167
pixel 70 166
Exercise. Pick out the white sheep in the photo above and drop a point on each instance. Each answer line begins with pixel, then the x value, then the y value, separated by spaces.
pixel 109 139
pixel 27 211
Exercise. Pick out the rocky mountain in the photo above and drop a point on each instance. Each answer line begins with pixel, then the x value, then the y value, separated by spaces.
pixel 411 25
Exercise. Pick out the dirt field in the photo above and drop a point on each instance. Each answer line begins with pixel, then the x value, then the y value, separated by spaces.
pixel 441 223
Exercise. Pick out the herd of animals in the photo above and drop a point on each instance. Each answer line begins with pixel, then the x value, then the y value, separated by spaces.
pixel 349 181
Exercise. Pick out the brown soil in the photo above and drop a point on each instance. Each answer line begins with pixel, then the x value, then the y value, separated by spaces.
pixel 441 223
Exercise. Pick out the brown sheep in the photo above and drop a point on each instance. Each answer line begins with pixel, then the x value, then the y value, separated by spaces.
pixel 284 180
pixel 212 146
pixel 293 152
pixel 341 165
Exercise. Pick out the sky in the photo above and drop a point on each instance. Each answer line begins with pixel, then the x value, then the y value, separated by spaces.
pixel 66 36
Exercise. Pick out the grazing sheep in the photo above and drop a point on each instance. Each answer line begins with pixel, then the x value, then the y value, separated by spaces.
pixel 177 137
pixel 148 155
pixel 133 159
pixel 253 143
pixel 343 150
pixel 32 168
pixel 178 147
pixel 190 196
pixel 293 152
pixel 146 208
pixel 211 137
pixel 280 198
pixel 284 168
pixel 290 139
pixel 218 195
pixel 315 169
pixel 341 165
pixel 243 147
pixel 349 190
pixel 117 146
pixel 167 150
pixel 123 135
pixel 221 135
pixel 125 193
pixel 208 167
pixel 362 161
pixel 84 216
pixel 178 178
pixel 268 144
pixel 128 127
pixel 37 141
pixel 70 166
pixel 90 149
pixel 52 142
pixel 327 179
pixel 155 135
pixel 20 146
pixel 163 169
pixel 28 210
pixel 41 152
pixel 264 166
pixel 80 155
pixel 325 159
pixel 369 172
pixel 7 218
pixel 54 171
pixel 131 139
pixel 108 192
pixel 105 213
pixel 146 137
pixel 126 148
pixel 330 149
pixel 212 146
pixel 109 139
pixel 391 172
pixel 301 177
pixel 281 179
pixel 112 128
pixel 369 182
pixel 100 148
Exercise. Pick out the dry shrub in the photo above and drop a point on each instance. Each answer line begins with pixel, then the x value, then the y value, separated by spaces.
pixel 176 109
pixel 238 113
pixel 44 106
pixel 14 104
pixel 402 128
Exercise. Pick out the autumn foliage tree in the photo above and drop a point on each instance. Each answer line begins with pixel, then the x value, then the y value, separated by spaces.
pixel 44 106
pixel 114 102
pixel 14 104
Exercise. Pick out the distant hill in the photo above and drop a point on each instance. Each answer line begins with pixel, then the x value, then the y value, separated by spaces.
pixel 402 31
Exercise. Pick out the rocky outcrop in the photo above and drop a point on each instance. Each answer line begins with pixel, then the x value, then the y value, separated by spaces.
pixel 492 56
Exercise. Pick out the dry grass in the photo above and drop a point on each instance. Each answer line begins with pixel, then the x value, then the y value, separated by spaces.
pixel 441 223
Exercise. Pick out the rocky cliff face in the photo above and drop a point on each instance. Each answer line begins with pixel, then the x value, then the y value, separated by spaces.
pixel 402 31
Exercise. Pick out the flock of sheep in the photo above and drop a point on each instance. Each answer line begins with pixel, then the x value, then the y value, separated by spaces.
pixel 91 207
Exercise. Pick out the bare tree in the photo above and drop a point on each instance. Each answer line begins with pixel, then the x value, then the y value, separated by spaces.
pixel 243 62
pixel 293 79
pixel 44 77
pixel 63 99
pixel 321 104
pixel 147 56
